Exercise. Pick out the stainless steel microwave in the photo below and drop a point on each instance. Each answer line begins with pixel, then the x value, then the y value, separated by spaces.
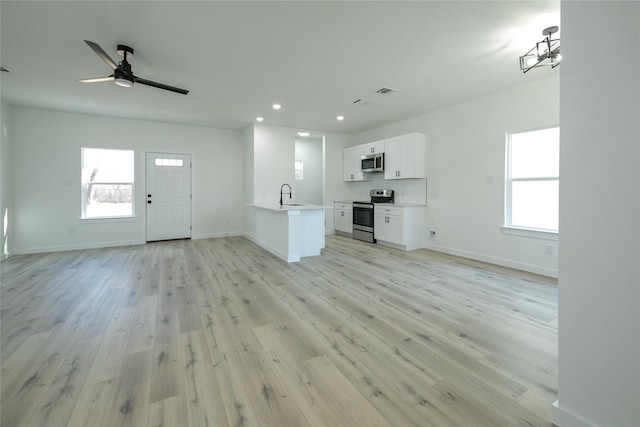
pixel 372 162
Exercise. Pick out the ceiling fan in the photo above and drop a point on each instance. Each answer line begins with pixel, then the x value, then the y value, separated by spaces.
pixel 122 73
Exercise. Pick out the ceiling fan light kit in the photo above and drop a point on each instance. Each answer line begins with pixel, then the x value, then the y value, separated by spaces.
pixel 545 53
pixel 122 72
pixel 122 79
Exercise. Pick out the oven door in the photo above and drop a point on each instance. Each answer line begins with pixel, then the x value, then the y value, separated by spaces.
pixel 363 222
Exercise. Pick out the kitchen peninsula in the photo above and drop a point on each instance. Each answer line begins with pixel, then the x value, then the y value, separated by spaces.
pixel 290 231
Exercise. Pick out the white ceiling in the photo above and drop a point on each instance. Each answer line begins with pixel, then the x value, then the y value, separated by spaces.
pixel 238 58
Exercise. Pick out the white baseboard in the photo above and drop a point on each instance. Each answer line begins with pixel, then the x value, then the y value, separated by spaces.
pixel 562 418
pixel 549 272
pixel 283 256
pixel 97 245
pixel 216 235
pixel 75 247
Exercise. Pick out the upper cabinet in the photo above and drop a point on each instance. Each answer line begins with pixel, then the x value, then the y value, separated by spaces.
pixel 404 157
pixel 373 147
pixel 352 164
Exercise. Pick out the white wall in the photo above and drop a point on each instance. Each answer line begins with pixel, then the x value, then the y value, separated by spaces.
pixel 47 177
pixel 599 306
pixel 273 151
pixel 465 150
pixel 6 181
pixel 309 188
pixel 247 165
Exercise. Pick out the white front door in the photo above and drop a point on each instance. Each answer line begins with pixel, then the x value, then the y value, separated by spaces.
pixel 168 196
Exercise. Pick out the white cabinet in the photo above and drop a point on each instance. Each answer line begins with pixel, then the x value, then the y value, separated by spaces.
pixel 373 147
pixel 343 218
pixel 405 157
pixel 388 225
pixel 352 163
pixel 400 227
pixel 352 159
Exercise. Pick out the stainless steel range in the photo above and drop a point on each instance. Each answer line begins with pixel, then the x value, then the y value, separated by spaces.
pixel 363 214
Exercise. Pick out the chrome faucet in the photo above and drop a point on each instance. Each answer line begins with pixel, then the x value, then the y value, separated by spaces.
pixel 281 187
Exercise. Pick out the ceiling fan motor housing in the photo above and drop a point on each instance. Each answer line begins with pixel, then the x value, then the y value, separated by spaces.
pixel 121 77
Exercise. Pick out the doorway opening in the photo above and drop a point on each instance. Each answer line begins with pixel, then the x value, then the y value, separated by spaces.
pixel 309 169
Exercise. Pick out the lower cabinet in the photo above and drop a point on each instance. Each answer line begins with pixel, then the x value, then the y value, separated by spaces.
pixel 399 227
pixel 343 218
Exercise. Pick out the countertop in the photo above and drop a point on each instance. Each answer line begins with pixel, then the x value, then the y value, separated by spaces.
pixel 391 205
pixel 286 208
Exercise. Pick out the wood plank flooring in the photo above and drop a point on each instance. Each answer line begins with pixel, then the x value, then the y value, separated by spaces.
pixel 219 332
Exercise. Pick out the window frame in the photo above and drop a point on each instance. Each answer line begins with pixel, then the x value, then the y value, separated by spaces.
pixel 85 187
pixel 508 227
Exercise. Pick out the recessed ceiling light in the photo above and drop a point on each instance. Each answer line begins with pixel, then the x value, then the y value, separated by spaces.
pixel 277 106
pixel 340 118
pixel 259 119
pixel 303 133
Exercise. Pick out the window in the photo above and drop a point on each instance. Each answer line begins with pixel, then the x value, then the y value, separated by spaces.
pixel 298 167
pixel 107 183
pixel 169 162
pixel 532 183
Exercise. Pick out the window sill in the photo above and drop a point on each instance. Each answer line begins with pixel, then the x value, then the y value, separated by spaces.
pixel 530 232
pixel 108 219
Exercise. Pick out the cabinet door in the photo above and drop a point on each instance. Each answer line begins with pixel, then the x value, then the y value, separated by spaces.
pixel 343 220
pixel 373 147
pixel 380 227
pixel 406 156
pixel 395 230
pixel 352 164
pixel 378 146
pixel 391 158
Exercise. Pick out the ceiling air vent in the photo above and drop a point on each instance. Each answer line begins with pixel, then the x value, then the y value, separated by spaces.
pixel 386 91
pixel 361 101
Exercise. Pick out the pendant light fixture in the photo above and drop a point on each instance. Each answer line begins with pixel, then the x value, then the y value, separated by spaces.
pixel 545 53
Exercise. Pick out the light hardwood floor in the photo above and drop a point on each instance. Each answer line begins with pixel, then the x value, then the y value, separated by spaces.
pixel 221 333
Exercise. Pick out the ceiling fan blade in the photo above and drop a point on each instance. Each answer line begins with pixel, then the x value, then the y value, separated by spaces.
pixel 97 79
pixel 160 85
pixel 102 54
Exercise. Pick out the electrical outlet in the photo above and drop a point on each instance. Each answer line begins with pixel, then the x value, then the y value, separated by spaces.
pixel 432 235
pixel 548 249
